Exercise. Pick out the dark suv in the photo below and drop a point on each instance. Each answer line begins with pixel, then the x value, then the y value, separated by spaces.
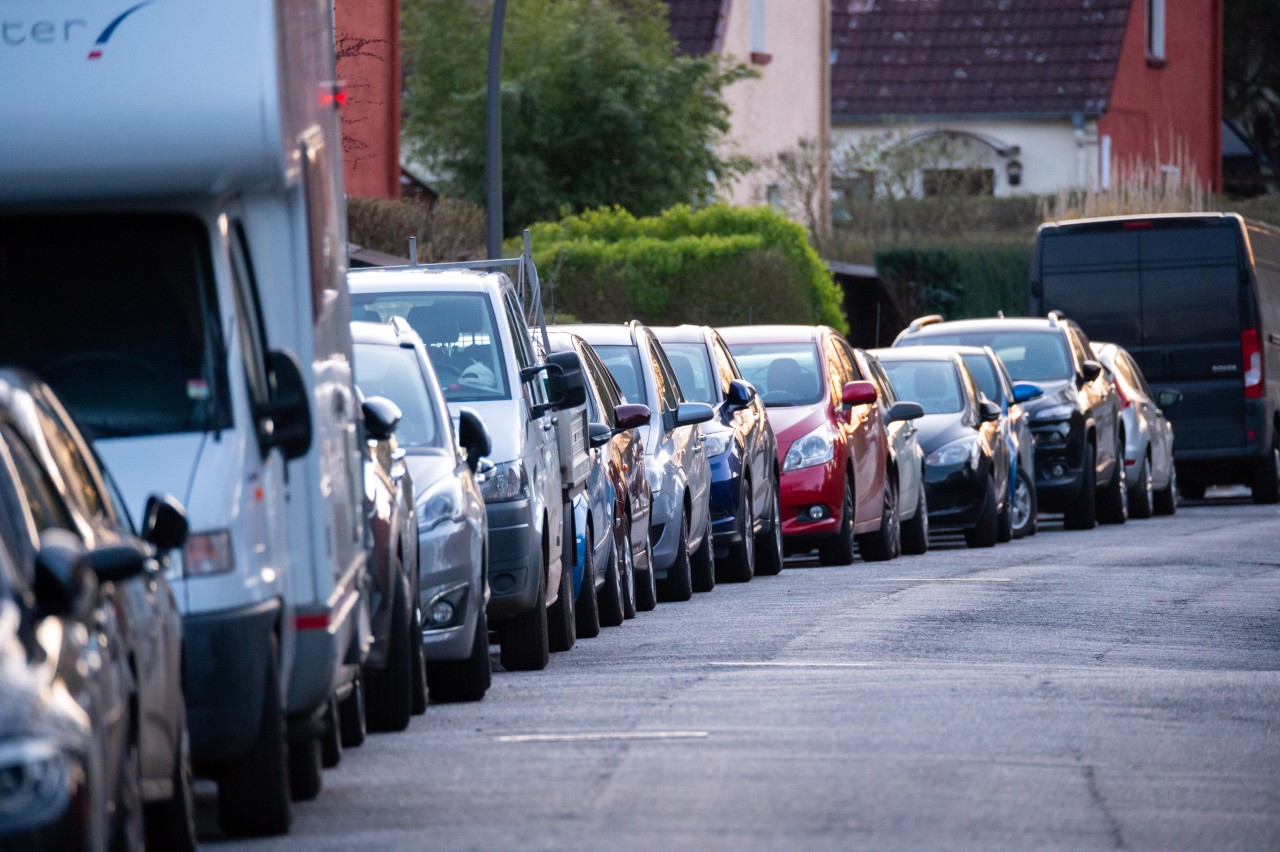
pixel 1076 425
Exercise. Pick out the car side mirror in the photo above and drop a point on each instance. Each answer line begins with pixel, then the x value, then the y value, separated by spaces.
pixel 1168 397
pixel 599 434
pixel 632 415
pixel 567 386
pixel 1026 391
pixel 858 393
pixel 473 437
pixel 115 563
pixel 285 419
pixel 691 413
pixel 988 411
pixel 905 411
pixel 62 576
pixel 741 394
pixel 164 523
pixel 381 417
pixel 1090 370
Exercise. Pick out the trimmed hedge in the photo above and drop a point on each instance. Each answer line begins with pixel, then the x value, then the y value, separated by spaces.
pixel 718 265
pixel 958 282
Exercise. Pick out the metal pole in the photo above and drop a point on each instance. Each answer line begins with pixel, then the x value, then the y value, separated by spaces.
pixel 493 133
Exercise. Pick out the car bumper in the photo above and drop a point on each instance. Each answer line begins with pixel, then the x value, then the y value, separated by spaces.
pixel 955 494
pixel 1059 465
pixel 515 559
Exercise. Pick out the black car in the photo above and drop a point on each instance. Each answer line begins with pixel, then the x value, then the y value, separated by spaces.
pixel 1076 425
pixel 966 456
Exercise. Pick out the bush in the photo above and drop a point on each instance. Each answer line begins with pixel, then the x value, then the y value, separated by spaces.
pixel 446 229
pixel 718 265
pixel 958 282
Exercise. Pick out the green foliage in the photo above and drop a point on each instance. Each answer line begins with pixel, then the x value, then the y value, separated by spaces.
pixel 597 109
pixel 718 265
pixel 959 281
pixel 446 230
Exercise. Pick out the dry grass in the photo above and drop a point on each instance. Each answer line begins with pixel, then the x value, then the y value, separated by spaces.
pixel 1138 186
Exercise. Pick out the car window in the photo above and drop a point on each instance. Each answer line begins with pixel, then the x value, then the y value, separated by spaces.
pixel 972 392
pixel 668 386
pixel 17 527
pixel 884 387
pixel 694 372
pixel 933 384
pixel 526 355
pixel 724 365
pixel 250 328
pixel 393 372
pixel 1030 356
pixel 984 373
pixel 47 510
pixel 623 363
pixel 602 382
pixel 1079 346
pixel 847 358
pixel 1139 379
pixel 783 374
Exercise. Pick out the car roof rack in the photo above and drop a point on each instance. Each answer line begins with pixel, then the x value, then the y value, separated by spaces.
pixel 920 322
pixel 1055 317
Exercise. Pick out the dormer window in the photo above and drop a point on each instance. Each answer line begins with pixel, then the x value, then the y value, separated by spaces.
pixel 757 44
pixel 1155 32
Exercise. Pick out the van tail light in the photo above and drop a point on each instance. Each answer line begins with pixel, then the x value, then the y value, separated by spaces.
pixel 1251 355
pixel 1124 397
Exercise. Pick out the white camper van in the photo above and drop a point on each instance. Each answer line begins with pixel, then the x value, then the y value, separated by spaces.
pixel 172 261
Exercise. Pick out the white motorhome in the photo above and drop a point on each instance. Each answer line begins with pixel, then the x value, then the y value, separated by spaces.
pixel 172 261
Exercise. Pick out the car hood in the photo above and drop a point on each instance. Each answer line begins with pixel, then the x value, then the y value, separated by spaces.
pixel 795 421
pixel 934 430
pixel 505 424
pixel 1055 393
pixel 426 469
pixel 155 464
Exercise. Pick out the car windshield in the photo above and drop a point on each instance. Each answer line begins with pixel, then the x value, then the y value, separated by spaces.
pixel 984 373
pixel 693 371
pixel 933 384
pixel 458 331
pixel 783 373
pixel 624 365
pixel 1029 356
pixel 393 372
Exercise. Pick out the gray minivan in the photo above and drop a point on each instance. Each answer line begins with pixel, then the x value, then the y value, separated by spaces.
pixel 1195 298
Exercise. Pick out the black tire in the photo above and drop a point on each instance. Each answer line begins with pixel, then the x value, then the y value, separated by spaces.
pixel 1082 513
pixel 253 795
pixel 1113 501
pixel 129 832
pixel 418 662
pixel 1192 490
pixel 331 739
pixel 702 564
pixel 1266 478
pixel 1004 518
pixel 769 548
pixel 986 532
pixel 840 550
pixel 1142 491
pixel 306 763
pixel 886 542
pixel 740 566
pixel 915 532
pixel 1166 499
pixel 389 697
pixel 1025 505
pixel 644 587
pixel 561 625
pixel 523 640
pixel 456 681
pixel 352 724
pixel 611 603
pixel 586 609
pixel 678 584
pixel 171 824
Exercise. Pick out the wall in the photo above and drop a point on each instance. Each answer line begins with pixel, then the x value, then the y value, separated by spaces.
pixel 1154 105
pixel 368 48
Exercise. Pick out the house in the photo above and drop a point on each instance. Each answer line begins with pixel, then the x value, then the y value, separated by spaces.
pixel 367 47
pixel 1031 96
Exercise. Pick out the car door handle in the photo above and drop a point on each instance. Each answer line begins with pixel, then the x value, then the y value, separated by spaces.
pixel 547 426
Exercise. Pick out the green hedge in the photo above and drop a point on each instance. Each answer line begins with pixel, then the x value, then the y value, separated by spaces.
pixel 718 265
pixel 959 282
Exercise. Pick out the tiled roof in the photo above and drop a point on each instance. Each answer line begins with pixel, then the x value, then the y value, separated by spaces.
pixel 974 57
pixel 696 24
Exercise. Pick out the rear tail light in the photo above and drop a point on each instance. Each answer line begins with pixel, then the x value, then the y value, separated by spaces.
pixel 1251 355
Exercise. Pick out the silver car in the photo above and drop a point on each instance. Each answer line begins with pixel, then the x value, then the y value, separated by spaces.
pixel 679 473
pixel 1148 450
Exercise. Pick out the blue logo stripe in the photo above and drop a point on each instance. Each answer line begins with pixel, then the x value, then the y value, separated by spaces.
pixel 111 27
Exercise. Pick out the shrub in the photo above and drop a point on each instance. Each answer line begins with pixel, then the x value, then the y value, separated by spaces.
pixel 957 281
pixel 446 229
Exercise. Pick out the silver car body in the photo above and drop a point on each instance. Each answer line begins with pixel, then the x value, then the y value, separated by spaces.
pixel 1147 432
pixel 904 448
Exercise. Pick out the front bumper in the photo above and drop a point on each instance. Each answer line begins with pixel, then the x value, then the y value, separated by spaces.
pixel 801 490
pixel 1059 463
pixel 515 559
pixel 955 494
pixel 726 501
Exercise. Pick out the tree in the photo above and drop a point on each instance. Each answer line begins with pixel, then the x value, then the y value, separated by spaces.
pixel 597 108
pixel 1251 72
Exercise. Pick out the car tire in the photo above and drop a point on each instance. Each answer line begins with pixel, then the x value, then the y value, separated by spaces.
pixel 1004 518
pixel 1081 513
pixel 418 664
pixel 610 604
pixel 1266 479
pixel 352 718
pixel 1113 502
pixel 986 532
pixel 740 566
pixel 254 799
pixel 171 824
pixel 702 564
pixel 129 831
pixel 886 542
pixel 561 624
pixel 915 531
pixel 306 762
pixel 1165 501
pixel 1142 491
pixel 769 547
pixel 457 681
pixel 1025 505
pixel 586 609
pixel 523 640
pixel 331 738
pixel 678 584
pixel 841 549
pixel 645 585
pixel 389 699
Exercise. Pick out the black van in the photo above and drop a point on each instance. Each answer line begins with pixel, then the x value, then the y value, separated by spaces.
pixel 1195 297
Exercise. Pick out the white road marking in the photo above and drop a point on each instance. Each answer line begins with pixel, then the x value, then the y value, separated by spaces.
pixel 599 736
pixel 940 580
pixel 790 664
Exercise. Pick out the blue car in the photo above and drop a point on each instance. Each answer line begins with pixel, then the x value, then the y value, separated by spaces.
pixel 741 449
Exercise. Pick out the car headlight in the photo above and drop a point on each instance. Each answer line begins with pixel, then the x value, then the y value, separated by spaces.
pixel 34 780
pixel 439 503
pixel 1055 412
pixel 208 553
pixel 956 452
pixel 715 444
pixel 504 482
pixel 817 447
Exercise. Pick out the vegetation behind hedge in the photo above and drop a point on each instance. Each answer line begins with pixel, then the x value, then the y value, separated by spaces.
pixel 959 281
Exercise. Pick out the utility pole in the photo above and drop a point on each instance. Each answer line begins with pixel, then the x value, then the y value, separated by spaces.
pixel 493 133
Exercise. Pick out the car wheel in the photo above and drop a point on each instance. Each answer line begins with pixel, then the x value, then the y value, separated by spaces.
pixel 1113 502
pixel 885 543
pixel 390 691
pixel 1165 501
pixel 418 665
pixel 1082 513
pixel 351 715
pixel 331 739
pixel 129 832
pixel 455 681
pixel 612 608
pixel 1142 491
pixel 305 760
pixel 702 564
pixel 586 609
pixel 1004 518
pixel 1024 505
pixel 740 567
pixel 253 794
pixel 171 824
pixel 985 533
pixel 645 584
pixel 678 584
pixel 769 547
pixel 840 550
pixel 915 532
pixel 524 638
pixel 561 625
pixel 1266 480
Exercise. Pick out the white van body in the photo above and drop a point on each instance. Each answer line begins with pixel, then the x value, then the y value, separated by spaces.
pixel 218 120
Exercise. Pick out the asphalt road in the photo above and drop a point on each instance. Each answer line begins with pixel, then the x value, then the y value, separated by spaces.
pixel 1117 689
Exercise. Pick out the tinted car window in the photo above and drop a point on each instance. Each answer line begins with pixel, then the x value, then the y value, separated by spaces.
pixel 884 386
pixel 603 382
pixel 725 366
pixel 623 363
pixel 1030 356
pixel 46 509
pixel 984 373
pixel 393 372
pixel 668 386
pixel 783 373
pixel 933 384
pixel 693 370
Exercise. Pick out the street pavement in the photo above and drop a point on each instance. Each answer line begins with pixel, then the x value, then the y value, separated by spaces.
pixel 1113 689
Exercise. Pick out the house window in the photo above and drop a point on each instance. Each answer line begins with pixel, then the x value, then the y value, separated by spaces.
pixel 773 196
pixel 756 41
pixel 958 181
pixel 1155 31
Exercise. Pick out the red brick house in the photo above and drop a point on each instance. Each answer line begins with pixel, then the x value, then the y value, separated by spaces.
pixel 367 35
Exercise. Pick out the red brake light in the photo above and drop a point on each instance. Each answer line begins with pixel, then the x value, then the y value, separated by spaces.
pixel 1251 355
pixel 1138 225
pixel 332 94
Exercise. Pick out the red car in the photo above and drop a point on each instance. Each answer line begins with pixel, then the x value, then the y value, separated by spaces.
pixel 832 443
